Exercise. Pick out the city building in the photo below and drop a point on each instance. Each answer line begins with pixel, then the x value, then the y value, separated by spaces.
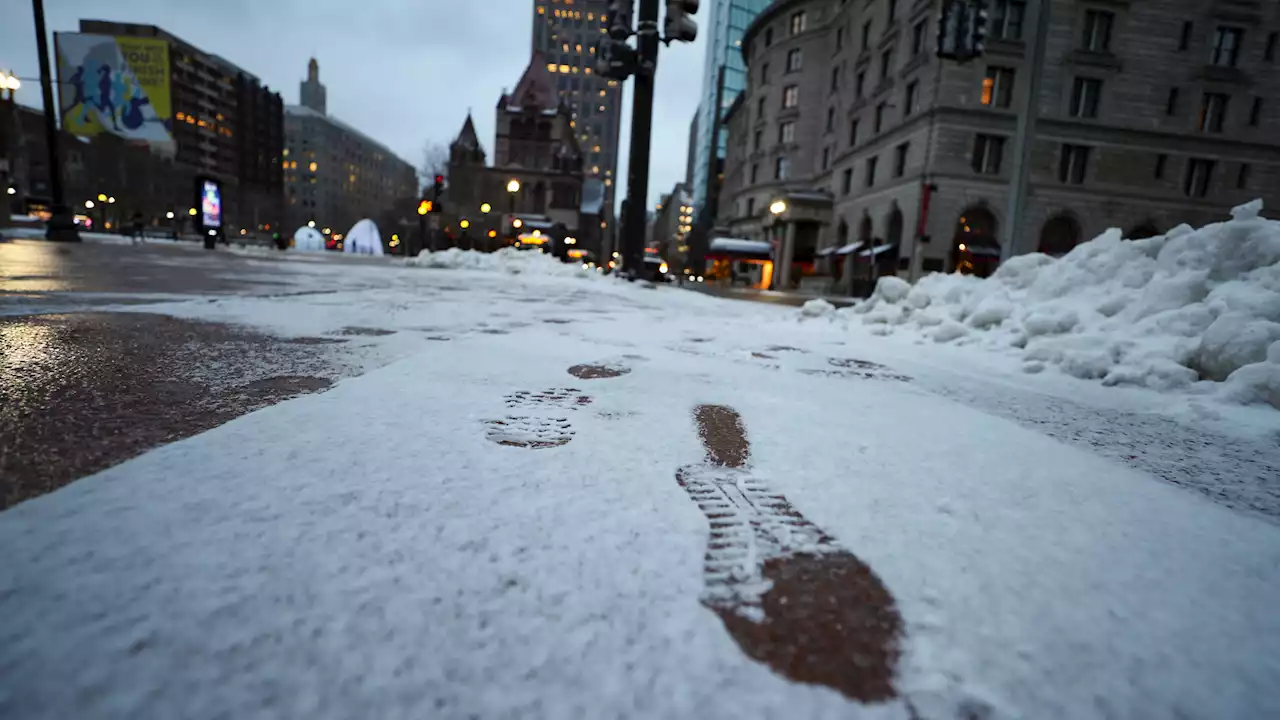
pixel 225 124
pixel 858 153
pixel 671 226
pixel 336 175
pixel 727 21
pixel 536 192
pixel 565 33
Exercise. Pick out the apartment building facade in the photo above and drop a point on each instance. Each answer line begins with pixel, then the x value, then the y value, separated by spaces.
pixel 1150 115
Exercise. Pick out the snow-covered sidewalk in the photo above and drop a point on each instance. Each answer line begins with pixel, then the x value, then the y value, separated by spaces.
pixel 472 530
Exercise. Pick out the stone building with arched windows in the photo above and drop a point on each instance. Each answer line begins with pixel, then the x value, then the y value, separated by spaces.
pixel 1150 115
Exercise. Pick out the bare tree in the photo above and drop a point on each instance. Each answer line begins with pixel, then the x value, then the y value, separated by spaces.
pixel 435 161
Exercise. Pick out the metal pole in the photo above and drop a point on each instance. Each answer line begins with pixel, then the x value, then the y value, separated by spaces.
pixel 62 224
pixel 641 128
pixel 1028 110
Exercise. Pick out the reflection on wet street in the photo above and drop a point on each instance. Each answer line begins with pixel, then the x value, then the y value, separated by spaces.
pixel 81 392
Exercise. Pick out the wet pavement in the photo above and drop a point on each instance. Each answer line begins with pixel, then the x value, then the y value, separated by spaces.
pixel 81 392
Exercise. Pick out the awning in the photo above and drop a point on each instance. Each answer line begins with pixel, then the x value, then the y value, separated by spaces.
pixel 877 250
pixel 740 246
pixel 851 247
pixel 825 251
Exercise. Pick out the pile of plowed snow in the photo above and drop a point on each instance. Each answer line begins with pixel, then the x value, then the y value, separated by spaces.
pixel 1191 306
pixel 505 259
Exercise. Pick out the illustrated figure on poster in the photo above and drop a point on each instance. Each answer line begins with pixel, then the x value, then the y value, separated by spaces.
pixel 80 100
pixel 105 88
pixel 132 113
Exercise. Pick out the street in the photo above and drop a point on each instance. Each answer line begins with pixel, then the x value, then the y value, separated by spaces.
pixel 289 485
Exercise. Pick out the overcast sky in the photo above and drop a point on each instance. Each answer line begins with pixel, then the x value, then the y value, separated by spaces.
pixel 402 71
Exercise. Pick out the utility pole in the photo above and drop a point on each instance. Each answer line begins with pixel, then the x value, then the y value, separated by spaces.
pixel 1024 140
pixel 62 224
pixel 641 130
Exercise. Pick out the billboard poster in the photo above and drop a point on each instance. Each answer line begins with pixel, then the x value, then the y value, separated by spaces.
pixel 117 85
pixel 210 203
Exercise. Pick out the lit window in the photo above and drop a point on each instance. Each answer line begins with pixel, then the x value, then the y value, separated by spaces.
pixel 587 70
pixel 313 166
pixel 564 68
pixel 591 16
pixel 603 93
pixel 564 47
pixel 541 10
pixel 595 169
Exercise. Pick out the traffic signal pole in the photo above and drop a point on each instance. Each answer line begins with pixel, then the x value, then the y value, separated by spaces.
pixel 641 131
pixel 1028 113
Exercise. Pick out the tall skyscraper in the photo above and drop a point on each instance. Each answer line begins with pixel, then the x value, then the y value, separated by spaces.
pixel 727 21
pixel 566 32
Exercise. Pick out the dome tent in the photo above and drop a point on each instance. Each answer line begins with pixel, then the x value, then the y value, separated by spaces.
pixel 308 239
pixel 363 239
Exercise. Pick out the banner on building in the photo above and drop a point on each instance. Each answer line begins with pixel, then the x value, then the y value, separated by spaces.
pixel 117 85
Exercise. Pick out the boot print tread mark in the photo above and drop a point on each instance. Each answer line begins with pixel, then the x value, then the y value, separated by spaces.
pixel 786 592
pixel 537 419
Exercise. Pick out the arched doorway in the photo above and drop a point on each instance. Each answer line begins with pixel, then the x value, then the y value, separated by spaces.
pixel 1059 234
pixel 1145 229
pixel 893 226
pixel 864 229
pixel 836 258
pixel 974 248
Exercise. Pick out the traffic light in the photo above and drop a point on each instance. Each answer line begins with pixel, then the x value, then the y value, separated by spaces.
pixel 615 59
pixel 620 19
pixel 678 25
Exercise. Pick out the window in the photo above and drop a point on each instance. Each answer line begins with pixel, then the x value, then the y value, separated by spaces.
pixel 1171 105
pixel 1213 110
pixel 859 81
pixel 790 96
pixel 871 171
pixel 782 169
pixel 1255 112
pixel 853 132
pixel 886 64
pixel 1097 30
pixel 835 78
pixel 988 152
pixel 831 119
pixel 1005 22
pixel 826 158
pixel 997 87
pixel 757 140
pixel 1269 51
pixel 751 207
pixel 839 39
pixel 1184 41
pixel 846 182
pixel 879 116
pixel 900 159
pixel 764 73
pixel 759 109
pixel 755 173
pixel 797 22
pixel 768 37
pixel 1084 97
pixel 1196 182
pixel 1073 164
pixel 787 132
pixel 909 99
pixel 1242 177
pixel 917 38
pixel 892 10
pixel 866 36
pixel 1226 46
pixel 793 60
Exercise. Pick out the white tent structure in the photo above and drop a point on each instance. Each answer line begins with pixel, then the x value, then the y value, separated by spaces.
pixel 308 239
pixel 363 239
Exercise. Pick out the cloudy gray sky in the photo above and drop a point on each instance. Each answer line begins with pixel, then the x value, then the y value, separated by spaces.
pixel 403 71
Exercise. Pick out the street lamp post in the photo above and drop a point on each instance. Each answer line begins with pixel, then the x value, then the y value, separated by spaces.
pixel 513 187
pixel 8 129
pixel 62 224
